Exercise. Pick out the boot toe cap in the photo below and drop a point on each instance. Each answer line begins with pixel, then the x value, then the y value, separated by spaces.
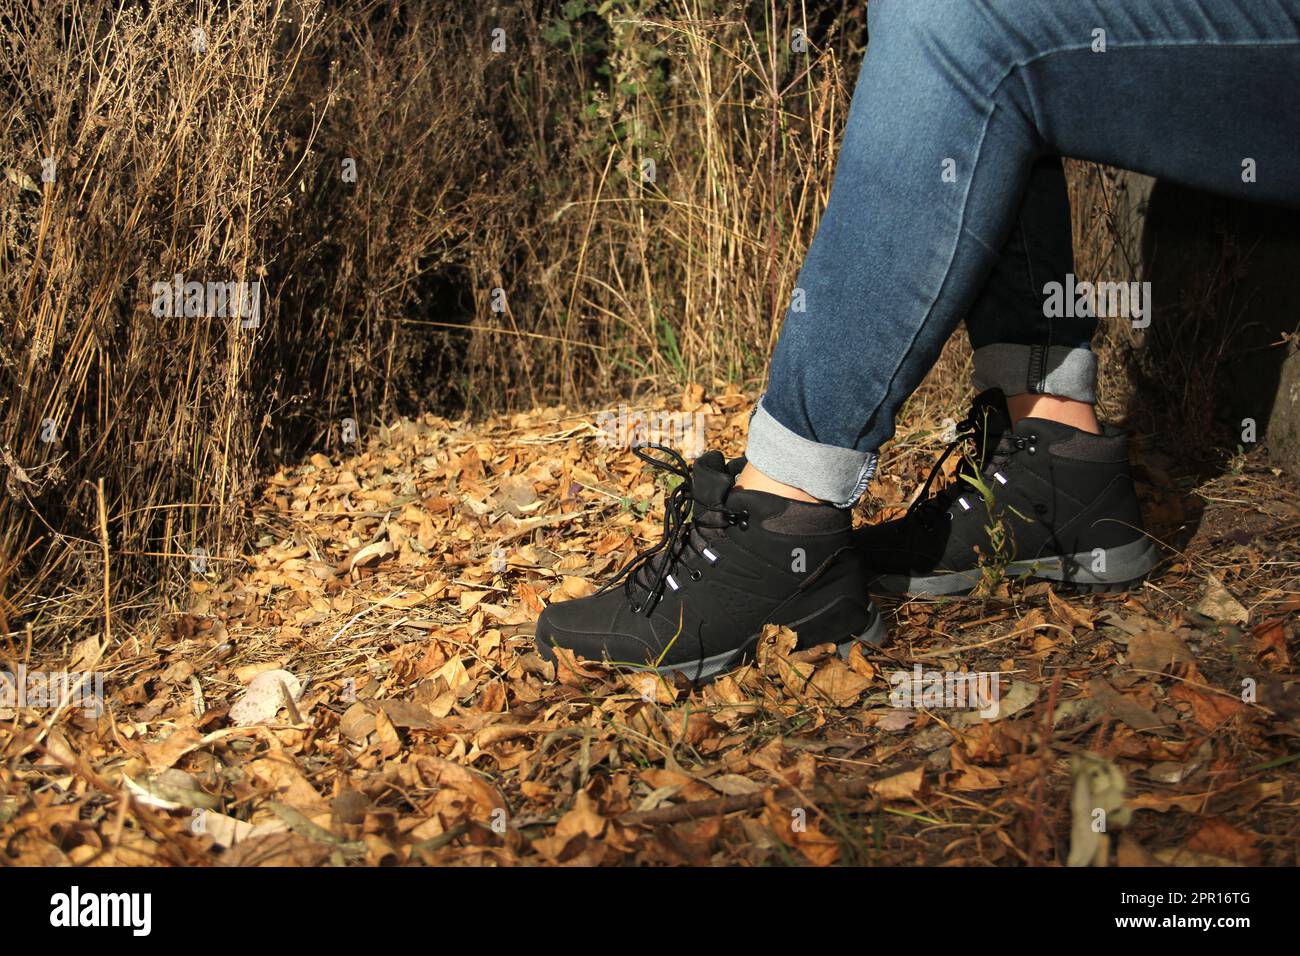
pixel 595 633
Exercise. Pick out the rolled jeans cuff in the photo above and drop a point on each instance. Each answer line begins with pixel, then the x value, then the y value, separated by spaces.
pixel 1037 370
pixel 832 474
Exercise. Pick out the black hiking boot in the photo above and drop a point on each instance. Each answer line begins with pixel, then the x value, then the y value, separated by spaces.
pixel 1040 500
pixel 729 562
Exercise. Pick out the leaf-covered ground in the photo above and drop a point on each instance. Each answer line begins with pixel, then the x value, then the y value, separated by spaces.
pixel 363 689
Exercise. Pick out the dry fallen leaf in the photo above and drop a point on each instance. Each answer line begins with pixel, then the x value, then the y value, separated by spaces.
pixel 1219 604
pixel 1270 644
pixel 1210 710
pixel 170 789
pixel 838 682
pixel 371 554
pixel 357 723
pixel 1154 650
pixel 1097 808
pixel 969 776
pixel 574 587
pixel 1067 613
pixel 901 786
pixel 1219 838
pixel 164 753
pixel 282 778
pixel 265 697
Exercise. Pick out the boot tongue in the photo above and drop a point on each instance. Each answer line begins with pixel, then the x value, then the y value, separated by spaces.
pixel 711 479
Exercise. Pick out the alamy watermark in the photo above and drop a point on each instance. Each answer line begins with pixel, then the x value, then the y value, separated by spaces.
pixel 208 300
pixel 945 690
pixel 49 689
pixel 1104 300
pixel 74 908
pixel 629 426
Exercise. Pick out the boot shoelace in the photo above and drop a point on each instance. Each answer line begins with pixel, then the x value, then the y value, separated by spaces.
pixel 975 431
pixel 681 534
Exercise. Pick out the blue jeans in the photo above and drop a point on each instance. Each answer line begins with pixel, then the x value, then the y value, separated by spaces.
pixel 948 202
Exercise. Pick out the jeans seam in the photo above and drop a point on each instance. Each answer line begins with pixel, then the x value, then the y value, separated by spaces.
pixel 947 269
pixel 1019 65
pixel 864 478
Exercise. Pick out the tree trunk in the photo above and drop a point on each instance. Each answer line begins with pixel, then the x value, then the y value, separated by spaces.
pixel 1225 280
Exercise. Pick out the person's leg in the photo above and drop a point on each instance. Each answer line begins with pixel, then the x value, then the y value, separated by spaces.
pixel 1042 364
pixel 1057 515
pixel 1044 367
pixel 955 104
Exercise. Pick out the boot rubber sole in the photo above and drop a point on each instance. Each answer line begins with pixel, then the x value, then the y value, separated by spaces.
pixel 705 669
pixel 708 668
pixel 1116 569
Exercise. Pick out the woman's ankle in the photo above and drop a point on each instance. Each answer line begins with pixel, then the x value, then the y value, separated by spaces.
pixel 751 479
pixel 1067 411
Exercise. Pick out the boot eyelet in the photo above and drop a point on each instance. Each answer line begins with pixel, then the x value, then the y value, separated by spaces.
pixel 695 574
pixel 744 521
pixel 636 608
